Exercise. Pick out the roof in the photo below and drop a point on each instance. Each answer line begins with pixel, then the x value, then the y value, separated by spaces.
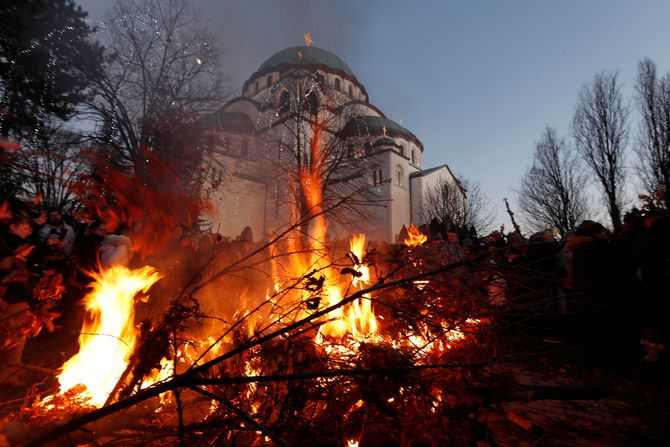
pixel 425 172
pixel 232 121
pixel 304 55
pixel 385 142
pixel 429 171
pixel 367 124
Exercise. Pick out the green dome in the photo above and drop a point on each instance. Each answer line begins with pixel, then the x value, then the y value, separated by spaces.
pixel 304 55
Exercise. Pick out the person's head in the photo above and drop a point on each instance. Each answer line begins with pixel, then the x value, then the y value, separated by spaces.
pixel 54 217
pixel 452 237
pixel 514 239
pixel 495 238
pixel 513 254
pixel 592 229
pixel 247 235
pixel 40 218
pixel 21 226
pixel 97 228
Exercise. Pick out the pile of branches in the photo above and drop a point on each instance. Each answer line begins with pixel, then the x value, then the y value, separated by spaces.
pixel 276 386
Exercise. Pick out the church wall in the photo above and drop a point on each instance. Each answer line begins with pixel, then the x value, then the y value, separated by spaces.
pixel 379 225
pixel 238 202
pixel 432 179
pixel 416 198
pixel 422 184
pixel 399 189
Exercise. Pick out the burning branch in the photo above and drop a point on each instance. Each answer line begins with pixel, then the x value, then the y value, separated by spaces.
pixel 197 375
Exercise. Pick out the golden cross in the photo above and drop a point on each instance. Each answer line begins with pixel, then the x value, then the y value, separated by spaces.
pixel 308 39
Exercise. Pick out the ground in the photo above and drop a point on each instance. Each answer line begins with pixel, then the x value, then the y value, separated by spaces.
pixel 547 395
pixel 562 400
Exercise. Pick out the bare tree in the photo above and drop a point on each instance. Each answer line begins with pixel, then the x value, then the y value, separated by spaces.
pixel 653 141
pixel 51 165
pixel 45 46
pixel 313 154
pixel 600 129
pixel 160 76
pixel 551 192
pixel 459 206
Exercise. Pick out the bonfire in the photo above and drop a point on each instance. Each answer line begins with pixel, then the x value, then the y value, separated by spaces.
pixel 297 341
pixel 348 346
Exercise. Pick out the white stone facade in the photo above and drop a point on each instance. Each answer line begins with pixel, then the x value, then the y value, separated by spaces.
pixel 375 159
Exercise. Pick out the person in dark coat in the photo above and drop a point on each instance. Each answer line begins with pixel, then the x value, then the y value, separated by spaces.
pixel 653 261
pixel 16 294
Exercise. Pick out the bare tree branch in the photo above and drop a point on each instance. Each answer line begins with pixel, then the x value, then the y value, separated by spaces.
pixel 458 206
pixel 652 144
pixel 600 129
pixel 551 193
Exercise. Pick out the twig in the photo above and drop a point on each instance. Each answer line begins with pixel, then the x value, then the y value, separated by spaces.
pixel 335 373
pixel 180 414
pixel 511 216
pixel 240 413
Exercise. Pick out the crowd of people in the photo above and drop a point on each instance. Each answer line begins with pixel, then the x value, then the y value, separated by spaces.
pixel 39 243
pixel 45 248
pixel 609 291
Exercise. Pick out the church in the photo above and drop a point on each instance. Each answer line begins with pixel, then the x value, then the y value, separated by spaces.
pixel 304 111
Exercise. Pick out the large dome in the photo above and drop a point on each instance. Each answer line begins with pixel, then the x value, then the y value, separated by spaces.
pixel 304 55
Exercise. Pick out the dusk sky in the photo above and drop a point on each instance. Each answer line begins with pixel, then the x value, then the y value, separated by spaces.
pixel 476 81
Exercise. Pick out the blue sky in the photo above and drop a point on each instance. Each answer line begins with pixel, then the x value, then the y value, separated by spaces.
pixel 476 81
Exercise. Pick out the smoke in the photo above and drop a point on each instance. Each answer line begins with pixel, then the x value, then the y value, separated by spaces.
pixel 247 33
pixel 251 31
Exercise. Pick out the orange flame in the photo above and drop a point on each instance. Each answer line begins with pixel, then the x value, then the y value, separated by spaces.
pixel 108 336
pixel 360 316
pixel 356 319
pixel 414 237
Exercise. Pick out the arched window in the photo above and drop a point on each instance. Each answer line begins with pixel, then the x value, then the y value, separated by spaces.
pixel 351 91
pixel 268 83
pixel 284 102
pixel 244 149
pixel 369 148
pixel 311 103
pixel 402 150
pixel 377 177
pixel 413 157
pixel 400 177
pixel 337 83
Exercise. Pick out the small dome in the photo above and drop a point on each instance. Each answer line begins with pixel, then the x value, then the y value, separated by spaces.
pixel 304 55
pixel 385 142
pixel 365 124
